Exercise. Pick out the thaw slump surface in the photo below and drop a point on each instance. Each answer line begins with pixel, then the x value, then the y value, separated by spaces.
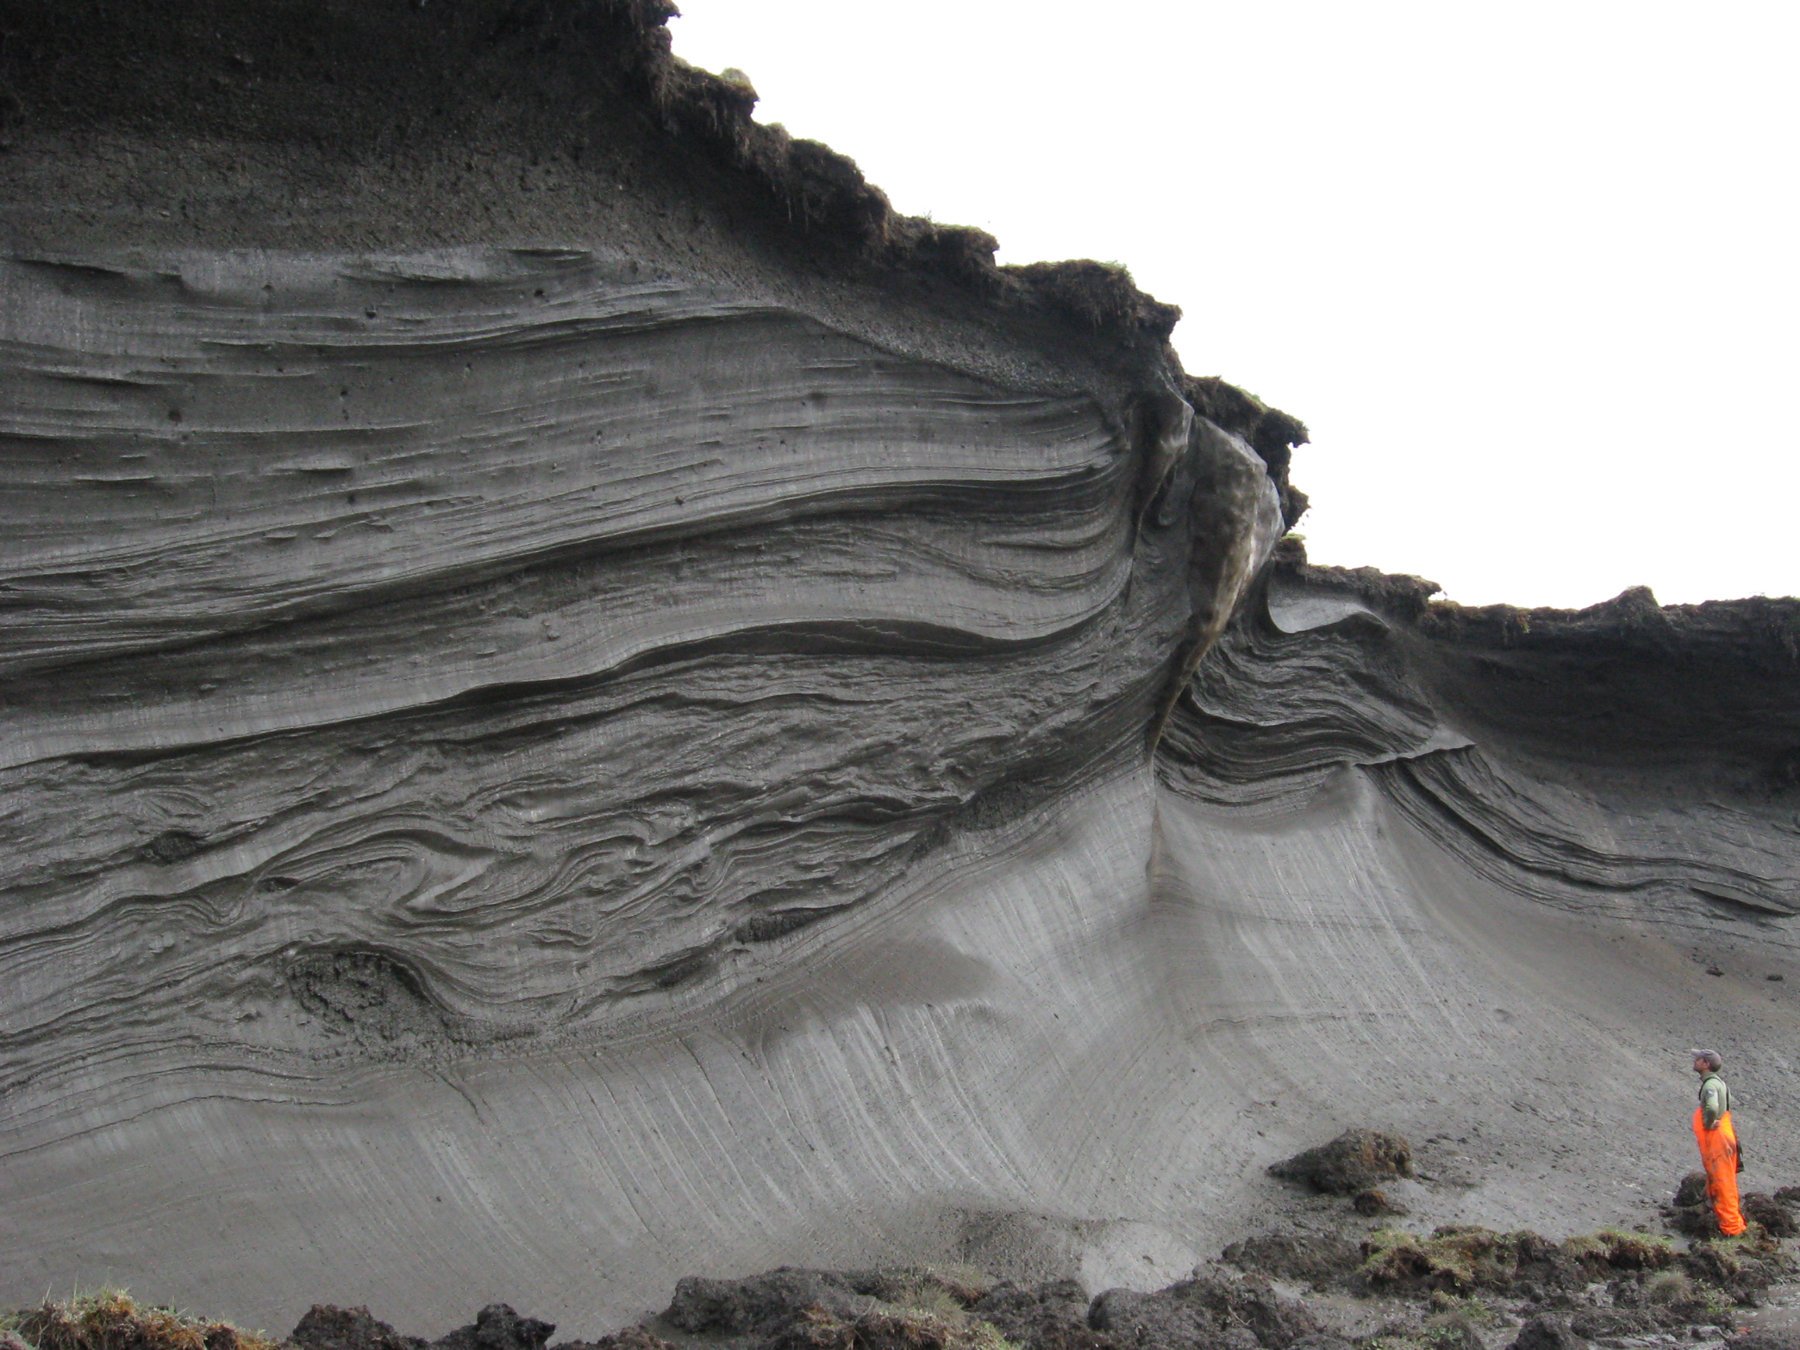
pixel 1626 759
pixel 756 858
pixel 478 726
pixel 559 738
pixel 458 674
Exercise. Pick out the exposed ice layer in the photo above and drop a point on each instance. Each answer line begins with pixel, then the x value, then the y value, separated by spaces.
pixel 1052 1018
pixel 430 650
pixel 1627 759
pixel 445 693
pixel 533 770
pixel 731 838
pixel 255 464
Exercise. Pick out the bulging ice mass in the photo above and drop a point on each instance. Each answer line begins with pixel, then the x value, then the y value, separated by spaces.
pixel 583 701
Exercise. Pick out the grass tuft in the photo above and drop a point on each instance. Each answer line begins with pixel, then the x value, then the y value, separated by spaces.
pixel 1455 1259
pixel 110 1319
pixel 1621 1249
pixel 817 1329
pixel 1466 1306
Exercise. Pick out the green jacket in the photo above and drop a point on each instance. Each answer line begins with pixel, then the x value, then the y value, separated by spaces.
pixel 1715 1100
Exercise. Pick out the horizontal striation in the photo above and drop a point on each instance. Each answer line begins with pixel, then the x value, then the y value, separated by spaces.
pixel 1636 853
pixel 422 655
pixel 215 446
pixel 529 771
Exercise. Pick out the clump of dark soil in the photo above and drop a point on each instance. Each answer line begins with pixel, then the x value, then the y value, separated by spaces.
pixel 1691 1211
pixel 1637 1270
pixel 1049 1316
pixel 1765 1340
pixel 630 1338
pixel 790 1309
pixel 815 1329
pixel 1356 1161
pixel 1313 1258
pixel 1547 1332
pixel 922 1309
pixel 758 1305
pixel 496 1327
pixel 1743 1268
pixel 1775 1217
pixel 1205 1310
pixel 1457 1259
pixel 113 1320
pixel 1457 1287
pixel 328 1328
pixel 1372 1202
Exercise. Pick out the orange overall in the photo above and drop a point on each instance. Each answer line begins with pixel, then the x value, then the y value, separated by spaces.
pixel 1719 1155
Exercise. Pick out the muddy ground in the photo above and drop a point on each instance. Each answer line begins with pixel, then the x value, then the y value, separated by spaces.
pixel 1343 1270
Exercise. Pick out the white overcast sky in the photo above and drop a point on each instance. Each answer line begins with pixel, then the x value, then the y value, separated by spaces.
pixel 1527 270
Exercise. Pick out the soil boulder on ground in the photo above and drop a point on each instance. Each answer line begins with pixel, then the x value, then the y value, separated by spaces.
pixel 630 1338
pixel 1318 1259
pixel 1691 1211
pixel 498 1327
pixel 899 1309
pixel 1547 1332
pixel 1785 1339
pixel 758 1304
pixel 1776 1218
pixel 327 1328
pixel 1356 1161
pixel 1052 1316
pixel 1742 1270
pixel 1204 1310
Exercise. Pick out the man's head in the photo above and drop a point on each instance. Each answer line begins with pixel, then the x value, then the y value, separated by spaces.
pixel 1707 1061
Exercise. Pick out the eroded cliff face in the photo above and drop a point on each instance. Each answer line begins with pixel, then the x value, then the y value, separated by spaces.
pixel 559 641
pixel 455 647
pixel 1627 758
pixel 583 702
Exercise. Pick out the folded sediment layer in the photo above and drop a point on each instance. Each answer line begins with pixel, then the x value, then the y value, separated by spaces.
pixel 492 744
pixel 581 702
pixel 450 646
pixel 1628 758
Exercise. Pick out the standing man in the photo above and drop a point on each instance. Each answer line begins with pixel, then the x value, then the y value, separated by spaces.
pixel 1718 1142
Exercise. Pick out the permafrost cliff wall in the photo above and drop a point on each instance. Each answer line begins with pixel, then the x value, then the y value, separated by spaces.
pixel 582 702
